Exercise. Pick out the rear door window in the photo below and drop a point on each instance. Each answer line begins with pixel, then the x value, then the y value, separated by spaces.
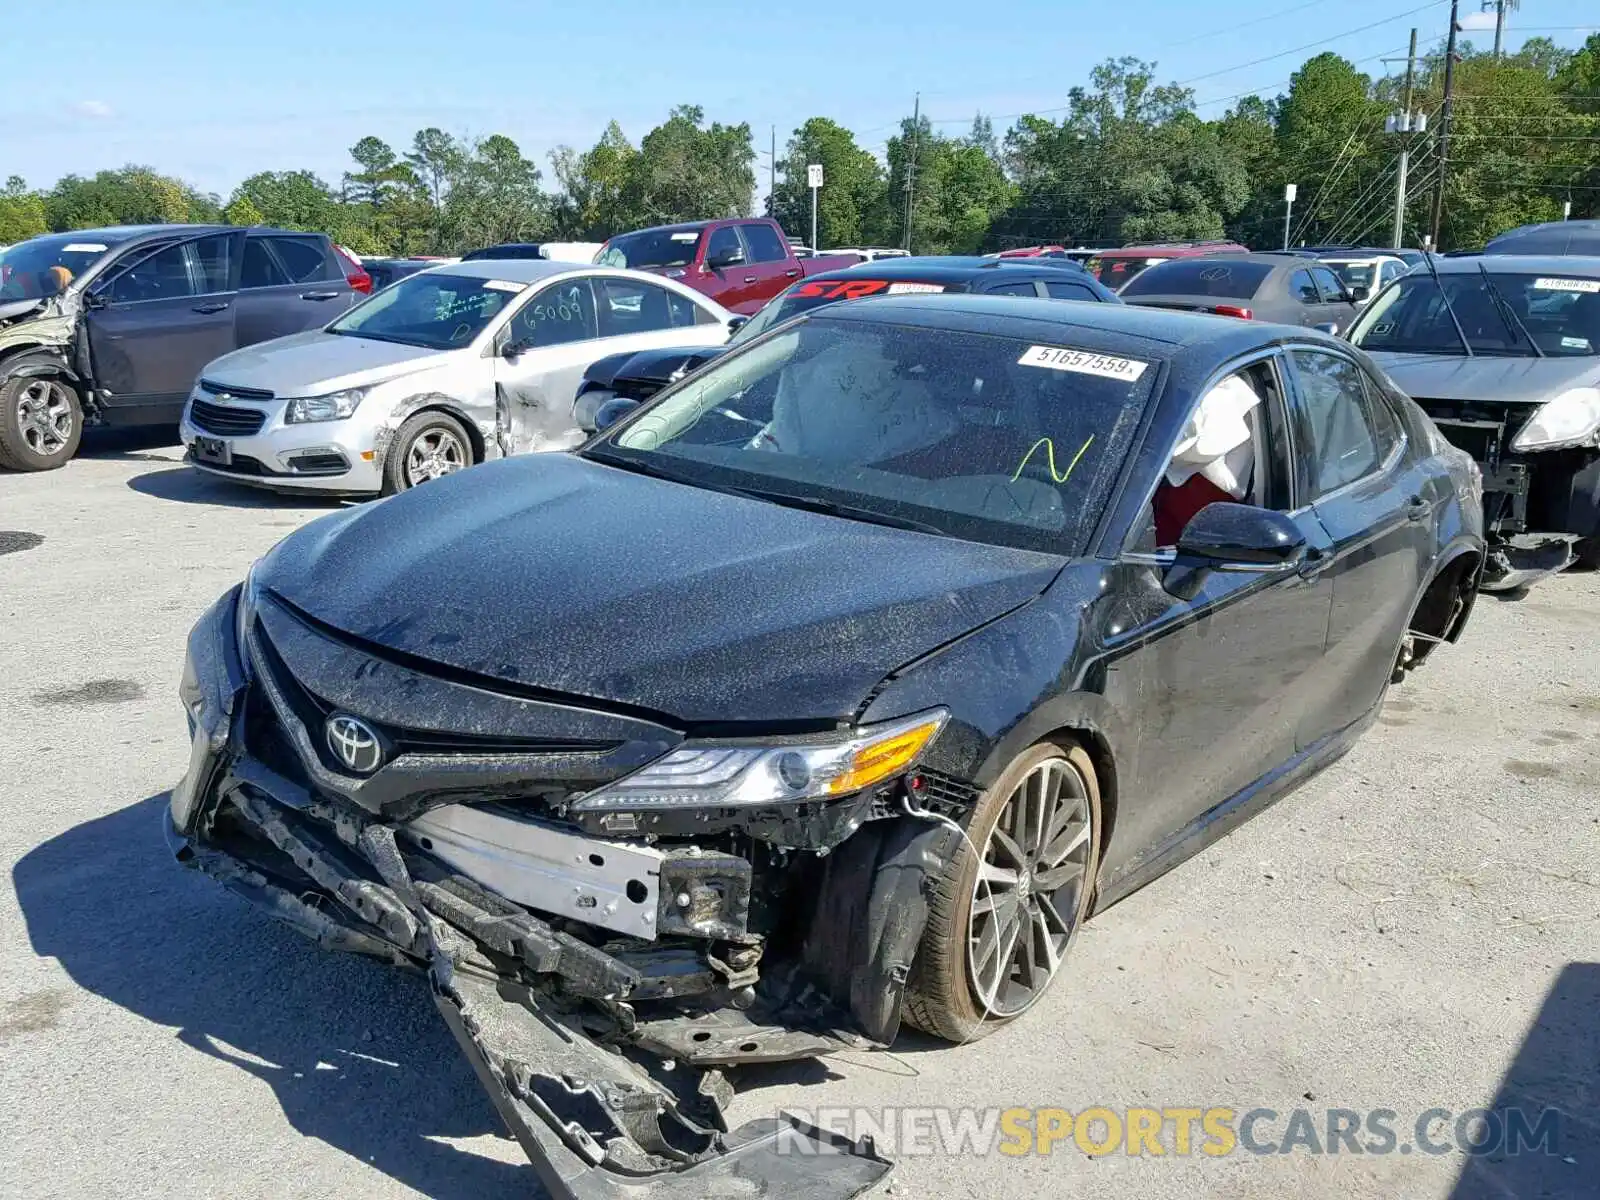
pixel 765 245
pixel 302 258
pixel 1013 289
pixel 1303 288
pixel 625 306
pixel 259 268
pixel 1200 277
pixel 1061 290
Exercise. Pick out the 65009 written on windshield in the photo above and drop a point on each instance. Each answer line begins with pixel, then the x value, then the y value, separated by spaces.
pixel 976 436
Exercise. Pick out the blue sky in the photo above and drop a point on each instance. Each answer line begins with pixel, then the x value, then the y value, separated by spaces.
pixel 212 92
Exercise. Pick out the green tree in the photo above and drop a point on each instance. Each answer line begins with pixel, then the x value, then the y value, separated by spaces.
pixel 287 199
pixel 686 172
pixel 21 212
pixel 240 211
pixel 592 204
pixel 1331 143
pixel 496 197
pixel 851 203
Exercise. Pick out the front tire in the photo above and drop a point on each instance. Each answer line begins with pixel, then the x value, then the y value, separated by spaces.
pixel 1587 551
pixel 41 423
pixel 1000 922
pixel 428 446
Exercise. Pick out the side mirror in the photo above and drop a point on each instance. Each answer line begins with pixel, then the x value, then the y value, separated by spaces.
pixel 95 299
pixel 721 262
pixel 587 407
pixel 1241 535
pixel 1359 294
pixel 612 411
pixel 1329 327
pixel 737 323
pixel 516 348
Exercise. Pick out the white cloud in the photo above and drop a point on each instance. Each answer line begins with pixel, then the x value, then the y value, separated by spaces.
pixel 92 108
pixel 1478 20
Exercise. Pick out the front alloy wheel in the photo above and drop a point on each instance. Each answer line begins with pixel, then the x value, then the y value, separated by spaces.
pixel 43 423
pixel 429 446
pixel 1001 921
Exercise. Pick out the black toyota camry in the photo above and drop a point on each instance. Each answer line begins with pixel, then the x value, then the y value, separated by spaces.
pixel 833 688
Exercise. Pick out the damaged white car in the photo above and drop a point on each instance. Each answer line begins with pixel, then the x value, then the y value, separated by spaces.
pixel 445 368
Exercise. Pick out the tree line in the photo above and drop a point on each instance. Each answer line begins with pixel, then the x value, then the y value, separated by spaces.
pixel 1128 159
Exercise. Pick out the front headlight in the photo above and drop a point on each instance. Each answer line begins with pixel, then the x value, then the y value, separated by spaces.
pixel 1571 419
pixel 244 612
pixel 717 774
pixel 335 406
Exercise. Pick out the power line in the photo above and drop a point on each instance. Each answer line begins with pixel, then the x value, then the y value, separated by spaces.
pixel 1256 62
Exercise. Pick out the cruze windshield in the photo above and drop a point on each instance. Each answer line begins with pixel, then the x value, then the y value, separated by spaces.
pixel 438 311
pixel 974 436
pixel 1500 314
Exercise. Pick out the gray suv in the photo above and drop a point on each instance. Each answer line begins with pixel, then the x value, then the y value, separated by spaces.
pixel 111 326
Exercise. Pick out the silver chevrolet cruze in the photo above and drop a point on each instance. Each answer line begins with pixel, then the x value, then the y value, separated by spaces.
pixel 445 368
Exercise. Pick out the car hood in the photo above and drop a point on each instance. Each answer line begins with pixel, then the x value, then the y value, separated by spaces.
pixel 554 573
pixel 315 362
pixel 653 366
pixel 1485 377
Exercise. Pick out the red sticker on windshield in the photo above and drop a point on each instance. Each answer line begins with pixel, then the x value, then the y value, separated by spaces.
pixel 841 289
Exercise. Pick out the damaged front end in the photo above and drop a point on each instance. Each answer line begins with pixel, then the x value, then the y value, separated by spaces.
pixel 603 949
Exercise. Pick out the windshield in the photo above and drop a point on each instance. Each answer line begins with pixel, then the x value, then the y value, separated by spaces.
pixel 44 266
pixel 434 310
pixel 968 435
pixel 1200 277
pixel 814 293
pixel 650 248
pixel 1561 315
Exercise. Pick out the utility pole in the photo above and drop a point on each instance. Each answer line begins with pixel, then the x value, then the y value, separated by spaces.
pixel 1405 127
pixel 772 175
pixel 1501 7
pixel 911 165
pixel 1444 124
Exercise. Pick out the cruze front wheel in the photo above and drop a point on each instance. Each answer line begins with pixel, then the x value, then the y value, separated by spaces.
pixel 1001 920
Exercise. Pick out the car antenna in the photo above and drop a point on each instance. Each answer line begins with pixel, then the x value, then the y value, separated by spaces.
pixel 1508 315
pixel 1427 257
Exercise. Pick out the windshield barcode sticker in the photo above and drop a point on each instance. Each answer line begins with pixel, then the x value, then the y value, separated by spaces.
pixel 1567 285
pixel 1056 358
pixel 503 285
pixel 685 237
pixel 83 248
pixel 902 289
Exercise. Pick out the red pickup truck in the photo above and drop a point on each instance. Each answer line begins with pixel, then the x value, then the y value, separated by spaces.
pixel 740 263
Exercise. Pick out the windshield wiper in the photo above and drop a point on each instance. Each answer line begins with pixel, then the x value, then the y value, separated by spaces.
pixel 832 508
pixel 1427 257
pixel 850 511
pixel 1508 315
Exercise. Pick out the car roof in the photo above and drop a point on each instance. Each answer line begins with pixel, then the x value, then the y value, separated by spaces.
pixel 1264 258
pixel 1147 332
pixel 1569 266
pixel 948 268
pixel 513 270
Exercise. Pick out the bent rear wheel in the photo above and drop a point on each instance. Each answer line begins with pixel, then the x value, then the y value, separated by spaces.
pixel 41 425
pixel 1002 920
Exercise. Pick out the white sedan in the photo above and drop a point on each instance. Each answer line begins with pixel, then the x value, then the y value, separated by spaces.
pixel 445 368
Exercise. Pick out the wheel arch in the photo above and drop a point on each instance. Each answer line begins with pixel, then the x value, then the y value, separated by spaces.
pixel 1454 574
pixel 40 360
pixel 426 402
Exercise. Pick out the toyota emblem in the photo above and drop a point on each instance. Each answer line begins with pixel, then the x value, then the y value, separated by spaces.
pixel 354 743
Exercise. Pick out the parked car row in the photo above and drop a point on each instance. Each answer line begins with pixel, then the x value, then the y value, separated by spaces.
pixel 829 692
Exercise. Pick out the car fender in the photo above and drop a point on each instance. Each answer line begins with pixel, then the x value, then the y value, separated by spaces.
pixel 484 444
pixel 37 361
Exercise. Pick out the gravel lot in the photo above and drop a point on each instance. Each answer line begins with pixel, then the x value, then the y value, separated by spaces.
pixel 1418 927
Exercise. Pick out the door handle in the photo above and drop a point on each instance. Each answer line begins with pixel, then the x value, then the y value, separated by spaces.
pixel 1418 509
pixel 749 278
pixel 1313 563
pixel 214 306
pixel 319 295
pixel 793 273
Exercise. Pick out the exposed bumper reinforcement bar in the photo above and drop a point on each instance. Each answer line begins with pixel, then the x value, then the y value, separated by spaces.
pixel 595 1125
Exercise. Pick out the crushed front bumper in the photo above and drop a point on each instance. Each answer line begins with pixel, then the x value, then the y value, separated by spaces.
pixel 561 1031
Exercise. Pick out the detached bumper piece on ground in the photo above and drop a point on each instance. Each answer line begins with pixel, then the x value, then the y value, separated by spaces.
pixel 603 1053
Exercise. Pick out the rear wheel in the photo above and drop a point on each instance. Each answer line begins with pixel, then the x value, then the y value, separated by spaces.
pixel 41 423
pixel 429 446
pixel 1001 920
